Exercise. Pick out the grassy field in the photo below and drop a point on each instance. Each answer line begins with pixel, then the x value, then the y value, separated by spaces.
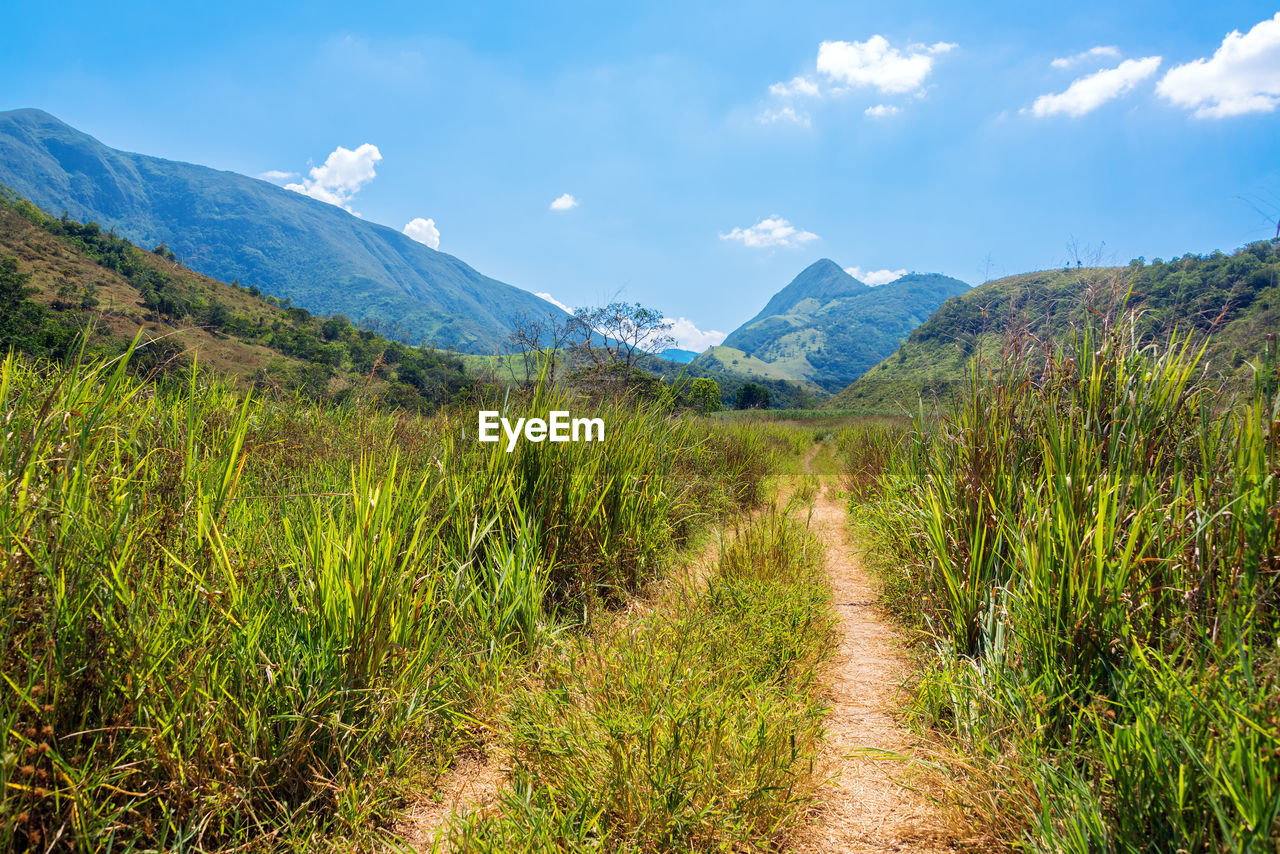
pixel 259 624
pixel 1089 545
pixel 234 623
pixel 693 726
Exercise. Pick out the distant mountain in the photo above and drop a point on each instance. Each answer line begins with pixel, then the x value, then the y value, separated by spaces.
pixel 826 328
pixel 677 355
pixel 1234 299
pixel 232 227
pixel 75 280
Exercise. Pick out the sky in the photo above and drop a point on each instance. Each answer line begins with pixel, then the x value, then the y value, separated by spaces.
pixel 696 156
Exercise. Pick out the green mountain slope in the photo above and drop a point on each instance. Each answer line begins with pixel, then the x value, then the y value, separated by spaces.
pixel 1234 298
pixel 826 328
pixel 59 279
pixel 232 227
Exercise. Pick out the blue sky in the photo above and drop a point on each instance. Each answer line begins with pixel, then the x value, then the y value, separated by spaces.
pixel 703 153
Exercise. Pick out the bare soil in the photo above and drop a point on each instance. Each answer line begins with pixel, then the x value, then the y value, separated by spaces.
pixel 874 801
pixel 472 783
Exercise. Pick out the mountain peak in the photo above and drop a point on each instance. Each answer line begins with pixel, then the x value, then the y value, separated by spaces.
pixel 826 326
pixel 33 116
pixel 823 266
pixel 823 280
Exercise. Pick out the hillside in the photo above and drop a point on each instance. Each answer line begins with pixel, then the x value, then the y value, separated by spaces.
pixel 231 227
pixel 1235 297
pixel 726 359
pixel 826 328
pixel 63 277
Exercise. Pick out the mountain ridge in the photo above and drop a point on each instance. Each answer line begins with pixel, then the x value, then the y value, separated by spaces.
pixel 234 227
pixel 825 328
pixel 1232 300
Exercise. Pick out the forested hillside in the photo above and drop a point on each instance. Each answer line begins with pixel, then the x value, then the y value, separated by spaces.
pixel 826 328
pixel 61 277
pixel 1232 298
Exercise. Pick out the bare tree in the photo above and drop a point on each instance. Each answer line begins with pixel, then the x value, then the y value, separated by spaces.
pixel 537 338
pixel 620 332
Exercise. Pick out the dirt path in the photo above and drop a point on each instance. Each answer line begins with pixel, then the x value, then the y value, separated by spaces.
pixel 868 807
pixel 472 783
pixel 475 782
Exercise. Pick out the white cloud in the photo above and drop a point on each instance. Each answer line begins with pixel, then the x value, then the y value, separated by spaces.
pixel 1106 50
pixel 797 86
pixel 875 277
pixel 875 63
pixel 689 337
pixel 770 232
pixel 277 175
pixel 549 298
pixel 786 114
pixel 1088 93
pixel 564 203
pixel 879 111
pixel 343 174
pixel 423 231
pixel 842 66
pixel 1242 77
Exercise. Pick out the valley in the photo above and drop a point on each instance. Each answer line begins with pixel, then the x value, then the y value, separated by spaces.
pixel 639 428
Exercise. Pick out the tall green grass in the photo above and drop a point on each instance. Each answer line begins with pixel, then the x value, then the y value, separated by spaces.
pixel 232 622
pixel 1091 540
pixel 692 726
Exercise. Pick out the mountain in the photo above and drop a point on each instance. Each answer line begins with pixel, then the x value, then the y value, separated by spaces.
pixel 677 355
pixel 826 328
pixel 60 278
pixel 1232 299
pixel 232 227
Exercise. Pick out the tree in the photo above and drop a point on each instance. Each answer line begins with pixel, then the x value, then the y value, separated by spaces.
pixel 13 284
pixel 752 396
pixel 704 395
pixel 535 339
pixel 620 332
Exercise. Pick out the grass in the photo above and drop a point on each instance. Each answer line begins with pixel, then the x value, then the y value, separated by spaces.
pixel 238 623
pixel 1090 544
pixel 692 726
pixel 817 442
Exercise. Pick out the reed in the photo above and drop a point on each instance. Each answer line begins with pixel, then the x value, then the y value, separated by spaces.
pixel 1090 540
pixel 232 621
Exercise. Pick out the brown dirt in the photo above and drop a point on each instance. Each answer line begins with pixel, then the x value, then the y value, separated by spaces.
pixel 873 802
pixel 472 783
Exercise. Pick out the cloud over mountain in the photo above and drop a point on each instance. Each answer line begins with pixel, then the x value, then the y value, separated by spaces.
pixel 341 175
pixel 424 231
pixel 875 277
